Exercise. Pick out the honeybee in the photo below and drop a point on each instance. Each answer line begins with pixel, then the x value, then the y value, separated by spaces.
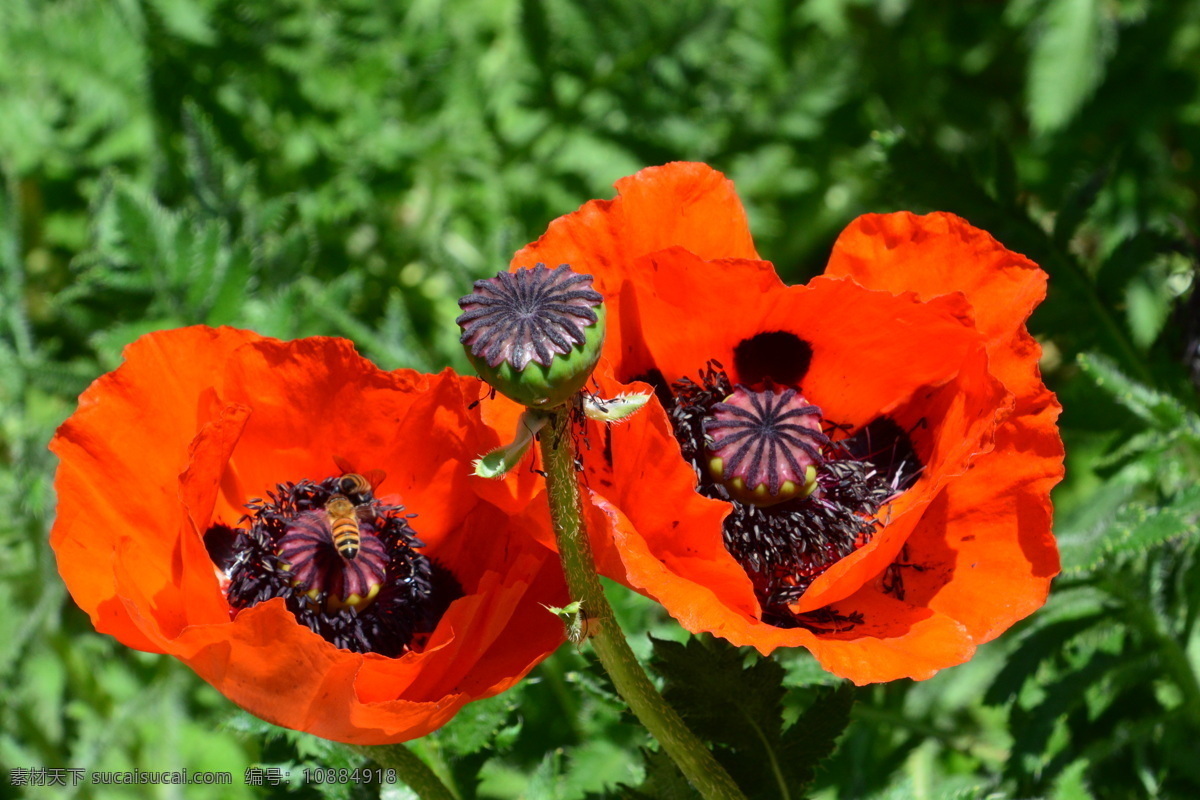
pixel 358 487
pixel 344 510
pixel 343 521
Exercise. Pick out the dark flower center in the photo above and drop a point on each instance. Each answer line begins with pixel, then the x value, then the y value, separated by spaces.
pixel 801 501
pixel 528 315
pixel 346 564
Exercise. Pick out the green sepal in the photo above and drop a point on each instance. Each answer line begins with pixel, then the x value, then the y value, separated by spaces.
pixel 617 409
pixel 579 624
pixel 502 460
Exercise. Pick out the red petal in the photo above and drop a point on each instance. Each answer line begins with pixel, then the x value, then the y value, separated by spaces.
pixel 988 535
pixel 676 527
pixel 121 454
pixel 314 398
pixel 960 416
pixel 288 675
pixel 944 394
pixel 940 254
pixel 497 419
pixel 983 551
pixel 895 640
pixel 680 204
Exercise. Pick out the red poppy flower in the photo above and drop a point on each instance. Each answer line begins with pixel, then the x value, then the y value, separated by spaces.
pixel 860 466
pixel 437 605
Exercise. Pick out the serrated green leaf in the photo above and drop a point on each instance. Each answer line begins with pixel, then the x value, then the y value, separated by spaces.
pixel 465 744
pixel 1081 534
pixel 187 19
pixel 1123 527
pixel 477 725
pixel 739 710
pixel 663 781
pixel 204 160
pixel 1058 697
pixel 1070 784
pixel 813 737
pixel 1037 647
pixel 722 701
pixel 1152 448
pixel 206 261
pixel 1150 405
pixel 147 231
pixel 1141 527
pixel 233 288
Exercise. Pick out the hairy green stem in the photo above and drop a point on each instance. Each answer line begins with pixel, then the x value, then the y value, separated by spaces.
pixel 410 770
pixel 695 761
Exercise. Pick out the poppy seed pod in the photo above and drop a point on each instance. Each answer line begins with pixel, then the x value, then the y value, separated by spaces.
pixel 534 334
pixel 763 446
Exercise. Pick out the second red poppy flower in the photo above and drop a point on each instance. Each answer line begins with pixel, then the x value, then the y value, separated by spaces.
pixel 860 466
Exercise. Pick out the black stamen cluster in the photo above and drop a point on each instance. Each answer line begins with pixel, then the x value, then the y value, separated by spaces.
pixel 415 593
pixel 528 315
pixel 783 547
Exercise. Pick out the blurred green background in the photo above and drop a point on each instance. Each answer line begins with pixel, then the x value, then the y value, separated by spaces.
pixel 348 167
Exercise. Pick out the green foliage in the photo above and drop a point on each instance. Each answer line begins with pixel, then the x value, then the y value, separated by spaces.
pixel 1072 41
pixel 1106 669
pixel 481 730
pixel 738 710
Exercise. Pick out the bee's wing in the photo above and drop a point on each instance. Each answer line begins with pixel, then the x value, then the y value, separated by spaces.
pixel 344 465
pixel 374 477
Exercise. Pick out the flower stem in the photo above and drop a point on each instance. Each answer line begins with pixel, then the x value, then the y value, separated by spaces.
pixel 630 679
pixel 410 770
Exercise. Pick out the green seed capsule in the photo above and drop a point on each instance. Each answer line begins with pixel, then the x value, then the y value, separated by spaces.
pixel 534 334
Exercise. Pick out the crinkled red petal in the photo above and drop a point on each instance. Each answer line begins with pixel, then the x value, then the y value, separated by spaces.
pixel 120 457
pixel 984 552
pixel 681 204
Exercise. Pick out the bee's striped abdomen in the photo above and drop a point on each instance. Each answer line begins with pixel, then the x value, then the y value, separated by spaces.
pixel 343 521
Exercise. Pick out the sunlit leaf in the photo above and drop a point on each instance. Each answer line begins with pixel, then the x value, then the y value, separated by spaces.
pixel 1071 47
pixel 1153 407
